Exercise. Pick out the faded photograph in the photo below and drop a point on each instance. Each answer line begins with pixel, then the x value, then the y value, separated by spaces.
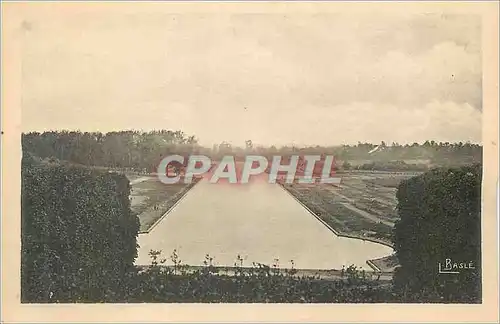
pixel 250 157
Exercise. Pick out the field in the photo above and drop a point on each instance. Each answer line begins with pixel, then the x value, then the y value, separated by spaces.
pixel 407 161
pixel 150 199
pixel 364 205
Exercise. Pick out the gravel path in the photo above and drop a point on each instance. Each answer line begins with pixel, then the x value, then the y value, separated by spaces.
pixel 368 215
pixel 139 180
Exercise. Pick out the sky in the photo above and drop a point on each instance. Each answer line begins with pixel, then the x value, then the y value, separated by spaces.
pixel 273 78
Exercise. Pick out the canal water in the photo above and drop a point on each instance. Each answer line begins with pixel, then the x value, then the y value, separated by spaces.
pixel 260 222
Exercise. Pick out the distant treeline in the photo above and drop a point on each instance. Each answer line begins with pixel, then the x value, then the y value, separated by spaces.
pixel 388 166
pixel 125 149
pixel 144 150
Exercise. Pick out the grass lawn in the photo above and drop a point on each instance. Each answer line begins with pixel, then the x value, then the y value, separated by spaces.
pixel 151 199
pixel 330 204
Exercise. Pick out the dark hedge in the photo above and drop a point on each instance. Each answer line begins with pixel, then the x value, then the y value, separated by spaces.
pixel 78 235
pixel 440 214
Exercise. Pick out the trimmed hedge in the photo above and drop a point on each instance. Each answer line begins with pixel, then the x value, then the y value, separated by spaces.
pixel 255 285
pixel 78 235
pixel 440 214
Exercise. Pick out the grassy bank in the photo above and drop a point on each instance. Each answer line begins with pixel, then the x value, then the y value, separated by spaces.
pixel 151 199
pixel 335 213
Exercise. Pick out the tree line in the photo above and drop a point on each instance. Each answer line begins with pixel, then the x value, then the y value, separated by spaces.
pixel 144 150
pixel 124 149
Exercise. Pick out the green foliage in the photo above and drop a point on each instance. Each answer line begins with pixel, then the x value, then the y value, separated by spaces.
pixel 440 214
pixel 125 149
pixel 257 284
pixel 144 150
pixel 392 166
pixel 78 236
pixel 346 165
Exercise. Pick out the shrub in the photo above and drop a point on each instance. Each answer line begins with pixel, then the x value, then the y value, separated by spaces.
pixel 257 284
pixel 392 166
pixel 78 236
pixel 440 219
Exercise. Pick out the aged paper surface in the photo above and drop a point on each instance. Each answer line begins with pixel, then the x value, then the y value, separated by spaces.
pixel 384 88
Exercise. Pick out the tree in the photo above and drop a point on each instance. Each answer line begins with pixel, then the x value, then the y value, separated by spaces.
pixel 249 145
pixel 440 219
pixel 192 140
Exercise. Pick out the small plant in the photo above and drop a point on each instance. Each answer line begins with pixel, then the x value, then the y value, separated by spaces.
pixel 209 265
pixel 176 261
pixel 239 265
pixel 276 266
pixel 261 269
pixel 239 260
pixel 292 271
pixel 154 255
pixel 208 260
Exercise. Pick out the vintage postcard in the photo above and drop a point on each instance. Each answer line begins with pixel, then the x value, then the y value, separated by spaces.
pixel 249 161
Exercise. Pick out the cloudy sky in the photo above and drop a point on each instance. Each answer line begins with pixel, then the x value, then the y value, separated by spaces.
pixel 275 78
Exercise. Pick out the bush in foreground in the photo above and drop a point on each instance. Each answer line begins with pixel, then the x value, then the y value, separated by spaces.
pixel 440 214
pixel 257 284
pixel 78 236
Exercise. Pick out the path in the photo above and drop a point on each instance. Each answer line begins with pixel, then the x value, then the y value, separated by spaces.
pixel 139 180
pixel 368 215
